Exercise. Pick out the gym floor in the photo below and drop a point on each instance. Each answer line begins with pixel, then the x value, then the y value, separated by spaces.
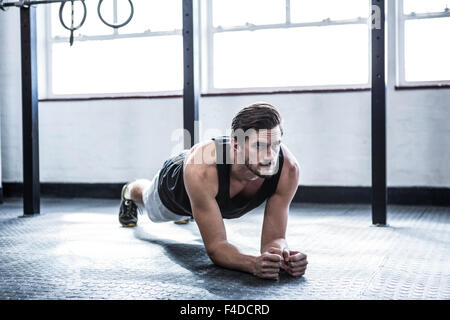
pixel 76 249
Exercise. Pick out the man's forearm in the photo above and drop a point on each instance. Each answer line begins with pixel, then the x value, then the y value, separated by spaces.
pixel 228 256
pixel 280 243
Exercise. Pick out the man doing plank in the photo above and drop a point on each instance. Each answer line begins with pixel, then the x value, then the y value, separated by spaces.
pixel 224 178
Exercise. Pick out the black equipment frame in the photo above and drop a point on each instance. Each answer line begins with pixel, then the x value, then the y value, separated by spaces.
pixel 191 63
pixel 30 112
pixel 378 116
pixel 191 94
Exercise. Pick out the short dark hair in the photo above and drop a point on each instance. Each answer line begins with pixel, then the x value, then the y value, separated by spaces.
pixel 259 115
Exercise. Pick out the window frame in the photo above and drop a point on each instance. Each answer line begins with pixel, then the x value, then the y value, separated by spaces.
pixel 206 35
pixel 401 18
pixel 50 40
pixel 209 30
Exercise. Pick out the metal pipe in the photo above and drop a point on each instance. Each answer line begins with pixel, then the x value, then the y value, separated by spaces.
pixel 323 23
pixel 27 3
pixel 146 34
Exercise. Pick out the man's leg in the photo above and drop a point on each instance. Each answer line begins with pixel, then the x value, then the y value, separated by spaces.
pixel 133 190
pixel 131 198
pixel 133 194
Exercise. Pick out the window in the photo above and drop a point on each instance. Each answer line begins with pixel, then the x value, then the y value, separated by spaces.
pixel 247 45
pixel 423 46
pixel 144 56
pixel 254 44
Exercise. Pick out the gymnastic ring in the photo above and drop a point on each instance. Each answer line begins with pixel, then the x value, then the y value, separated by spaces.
pixel 1 6
pixel 61 8
pixel 115 26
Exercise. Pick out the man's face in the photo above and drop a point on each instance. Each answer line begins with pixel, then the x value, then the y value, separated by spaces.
pixel 261 151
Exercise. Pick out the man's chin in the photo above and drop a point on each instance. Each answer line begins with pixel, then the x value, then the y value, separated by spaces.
pixel 266 174
pixel 263 172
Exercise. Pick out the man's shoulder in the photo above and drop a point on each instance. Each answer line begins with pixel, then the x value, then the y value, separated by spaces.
pixel 290 172
pixel 290 165
pixel 200 164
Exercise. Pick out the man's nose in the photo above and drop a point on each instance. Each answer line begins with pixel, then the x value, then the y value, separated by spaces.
pixel 268 155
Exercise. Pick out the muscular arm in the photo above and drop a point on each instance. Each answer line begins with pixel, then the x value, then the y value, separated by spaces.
pixel 201 187
pixel 276 216
pixel 277 206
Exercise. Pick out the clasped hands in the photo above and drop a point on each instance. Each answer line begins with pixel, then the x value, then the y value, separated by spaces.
pixel 268 264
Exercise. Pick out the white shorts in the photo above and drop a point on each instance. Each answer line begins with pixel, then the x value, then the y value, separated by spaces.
pixel 156 211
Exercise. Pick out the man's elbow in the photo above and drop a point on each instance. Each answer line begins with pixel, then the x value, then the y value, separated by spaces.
pixel 211 253
pixel 214 257
pixel 215 250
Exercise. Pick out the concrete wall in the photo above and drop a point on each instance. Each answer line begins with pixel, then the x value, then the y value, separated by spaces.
pixel 10 88
pixel 119 140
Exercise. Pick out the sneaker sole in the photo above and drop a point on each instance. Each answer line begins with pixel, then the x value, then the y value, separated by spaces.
pixel 182 222
pixel 130 225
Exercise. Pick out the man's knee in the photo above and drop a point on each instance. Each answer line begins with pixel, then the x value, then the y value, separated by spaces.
pixel 136 189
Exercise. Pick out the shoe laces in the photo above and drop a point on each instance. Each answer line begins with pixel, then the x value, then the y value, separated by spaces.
pixel 131 207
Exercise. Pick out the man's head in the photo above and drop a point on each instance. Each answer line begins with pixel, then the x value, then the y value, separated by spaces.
pixel 256 138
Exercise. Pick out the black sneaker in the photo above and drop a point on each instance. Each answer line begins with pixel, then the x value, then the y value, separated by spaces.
pixel 128 213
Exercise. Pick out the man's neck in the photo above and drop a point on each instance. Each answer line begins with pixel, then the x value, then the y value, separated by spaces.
pixel 241 173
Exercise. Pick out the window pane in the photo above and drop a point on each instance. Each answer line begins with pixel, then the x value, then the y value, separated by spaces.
pixel 309 56
pixel 92 26
pixel 154 15
pixel 422 6
pixel 239 12
pixel 118 66
pixel 318 10
pixel 426 50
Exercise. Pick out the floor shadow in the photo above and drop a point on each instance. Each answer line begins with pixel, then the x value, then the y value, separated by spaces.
pixel 226 283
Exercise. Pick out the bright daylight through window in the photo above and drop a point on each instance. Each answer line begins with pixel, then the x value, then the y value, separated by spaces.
pixel 424 48
pixel 294 43
pixel 246 45
pixel 129 60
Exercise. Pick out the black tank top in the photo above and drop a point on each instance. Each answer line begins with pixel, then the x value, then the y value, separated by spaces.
pixel 173 194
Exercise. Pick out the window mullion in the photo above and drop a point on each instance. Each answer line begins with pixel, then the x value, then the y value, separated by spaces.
pixel 400 43
pixel 324 23
pixel 210 45
pixel 115 15
pixel 120 36
pixel 428 15
pixel 49 49
pixel 288 11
